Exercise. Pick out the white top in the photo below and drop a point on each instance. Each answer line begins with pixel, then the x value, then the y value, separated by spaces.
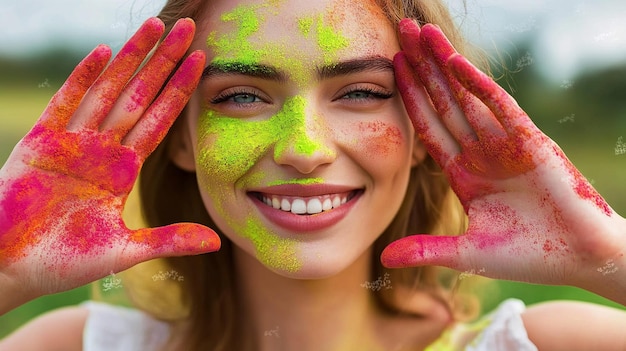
pixel 114 328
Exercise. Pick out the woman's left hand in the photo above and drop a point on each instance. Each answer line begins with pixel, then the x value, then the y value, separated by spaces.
pixel 532 215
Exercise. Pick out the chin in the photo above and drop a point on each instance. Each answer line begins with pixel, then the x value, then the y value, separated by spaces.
pixel 317 266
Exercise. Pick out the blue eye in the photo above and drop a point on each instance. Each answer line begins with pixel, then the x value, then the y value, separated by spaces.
pixel 361 94
pixel 238 97
pixel 357 95
pixel 244 98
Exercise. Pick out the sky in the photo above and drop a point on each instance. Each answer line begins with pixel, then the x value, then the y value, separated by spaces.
pixel 569 34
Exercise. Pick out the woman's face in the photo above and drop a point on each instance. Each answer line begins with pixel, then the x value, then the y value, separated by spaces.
pixel 302 145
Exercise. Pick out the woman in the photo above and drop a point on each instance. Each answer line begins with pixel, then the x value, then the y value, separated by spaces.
pixel 308 136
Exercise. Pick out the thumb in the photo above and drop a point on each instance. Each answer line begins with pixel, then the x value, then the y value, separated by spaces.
pixel 422 250
pixel 181 239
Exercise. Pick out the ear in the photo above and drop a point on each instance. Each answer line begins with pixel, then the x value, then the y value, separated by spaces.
pixel 419 153
pixel 180 148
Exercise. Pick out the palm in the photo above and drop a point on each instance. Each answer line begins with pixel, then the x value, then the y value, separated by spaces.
pixel 63 188
pixel 532 215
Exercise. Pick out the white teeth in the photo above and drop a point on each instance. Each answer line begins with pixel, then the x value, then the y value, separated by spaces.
pixel 327 205
pixel 275 203
pixel 285 205
pixel 314 206
pixel 336 202
pixel 300 206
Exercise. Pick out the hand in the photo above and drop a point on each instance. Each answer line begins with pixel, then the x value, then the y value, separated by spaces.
pixel 64 186
pixel 532 215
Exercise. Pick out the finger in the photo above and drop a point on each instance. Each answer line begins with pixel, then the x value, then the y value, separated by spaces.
pixel 102 95
pixel 422 250
pixel 65 102
pixel 146 84
pixel 153 126
pixel 409 39
pixel 181 239
pixel 428 127
pixel 480 118
pixel 504 107
pixel 435 82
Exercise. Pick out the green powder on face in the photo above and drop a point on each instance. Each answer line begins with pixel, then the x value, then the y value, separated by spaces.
pixel 272 250
pixel 239 46
pixel 306 181
pixel 305 24
pixel 328 39
pixel 292 119
pixel 230 146
pixel 240 143
pixel 237 43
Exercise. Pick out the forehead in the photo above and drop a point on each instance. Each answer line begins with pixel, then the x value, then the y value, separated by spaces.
pixel 291 31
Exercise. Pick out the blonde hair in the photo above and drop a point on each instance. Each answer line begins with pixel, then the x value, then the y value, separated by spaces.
pixel 206 296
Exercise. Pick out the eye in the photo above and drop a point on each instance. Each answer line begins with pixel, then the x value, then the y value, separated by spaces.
pixel 239 97
pixel 363 94
pixel 244 98
pixel 358 95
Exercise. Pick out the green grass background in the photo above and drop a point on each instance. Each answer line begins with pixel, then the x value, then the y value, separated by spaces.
pixel 20 105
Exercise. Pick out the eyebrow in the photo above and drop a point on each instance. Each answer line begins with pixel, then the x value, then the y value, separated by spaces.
pixel 242 68
pixel 342 68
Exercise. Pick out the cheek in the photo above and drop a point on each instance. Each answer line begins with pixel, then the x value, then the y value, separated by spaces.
pixel 378 143
pixel 228 148
pixel 380 139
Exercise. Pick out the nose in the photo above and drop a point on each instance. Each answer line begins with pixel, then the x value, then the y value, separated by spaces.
pixel 307 142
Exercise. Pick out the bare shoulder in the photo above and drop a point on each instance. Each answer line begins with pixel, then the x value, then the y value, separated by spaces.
pixel 60 329
pixel 569 325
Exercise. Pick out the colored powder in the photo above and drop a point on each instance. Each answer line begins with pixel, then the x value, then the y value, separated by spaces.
pixel 46 201
pixel 292 119
pixel 581 185
pixel 231 146
pixel 271 249
pixel 305 181
pixel 37 204
pixel 382 138
pixel 305 25
pixel 237 43
pixel 89 155
pixel 240 143
pixel 328 40
pixel 237 47
pixel 72 195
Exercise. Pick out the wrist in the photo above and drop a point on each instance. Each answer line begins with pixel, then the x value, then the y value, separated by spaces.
pixel 605 274
pixel 12 294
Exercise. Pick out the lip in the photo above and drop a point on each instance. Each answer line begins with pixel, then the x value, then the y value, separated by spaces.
pixel 305 223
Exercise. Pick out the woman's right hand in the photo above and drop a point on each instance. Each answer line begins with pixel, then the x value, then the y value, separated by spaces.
pixel 64 186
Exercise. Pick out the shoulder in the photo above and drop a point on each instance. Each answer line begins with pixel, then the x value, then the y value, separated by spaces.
pixel 60 329
pixel 568 325
pixel 111 327
pixel 502 329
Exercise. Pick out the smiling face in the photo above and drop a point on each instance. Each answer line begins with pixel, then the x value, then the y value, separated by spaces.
pixel 302 145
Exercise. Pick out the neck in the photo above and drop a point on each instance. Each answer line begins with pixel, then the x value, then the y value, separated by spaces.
pixel 306 314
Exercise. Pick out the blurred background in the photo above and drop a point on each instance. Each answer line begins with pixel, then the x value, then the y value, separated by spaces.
pixel 563 60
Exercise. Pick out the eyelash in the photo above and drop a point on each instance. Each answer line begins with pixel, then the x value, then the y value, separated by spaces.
pixel 230 95
pixel 372 92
